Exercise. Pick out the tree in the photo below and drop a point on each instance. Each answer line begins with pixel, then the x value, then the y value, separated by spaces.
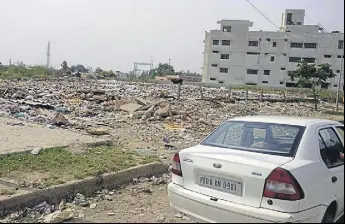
pixel 163 69
pixel 64 66
pixel 111 73
pixel 312 76
pixel 79 68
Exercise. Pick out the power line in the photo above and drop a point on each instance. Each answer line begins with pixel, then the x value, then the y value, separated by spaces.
pixel 270 20
pixel 263 14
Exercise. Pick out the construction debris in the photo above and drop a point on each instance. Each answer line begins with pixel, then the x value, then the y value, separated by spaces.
pixel 138 113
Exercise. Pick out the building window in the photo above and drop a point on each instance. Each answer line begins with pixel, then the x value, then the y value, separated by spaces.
pixel 294 59
pixel 214 65
pixel 296 45
pixel 327 56
pixel 310 45
pixel 226 42
pixel 325 85
pixel 215 52
pixel 282 68
pixel 290 84
pixel 227 29
pixel 215 42
pixel 251 84
pixel 267 72
pixel 338 71
pixel 224 56
pixel 272 58
pixel 252 71
pixel 253 43
pixel 274 44
pixel 220 82
pixel 281 83
pixel 338 56
pixel 253 53
pixel 265 82
pixel 284 54
pixel 223 70
pixel 285 40
pixel 268 39
pixel 299 23
pixel 335 86
pixel 340 44
pixel 213 79
pixel 309 60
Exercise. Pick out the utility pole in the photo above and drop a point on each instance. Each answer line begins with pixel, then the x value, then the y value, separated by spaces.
pixel 169 67
pixel 48 55
pixel 339 83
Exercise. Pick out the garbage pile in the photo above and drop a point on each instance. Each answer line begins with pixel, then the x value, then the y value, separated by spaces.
pixel 137 111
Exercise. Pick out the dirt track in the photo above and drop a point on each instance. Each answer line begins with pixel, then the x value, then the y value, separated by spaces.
pixel 134 206
pixel 16 136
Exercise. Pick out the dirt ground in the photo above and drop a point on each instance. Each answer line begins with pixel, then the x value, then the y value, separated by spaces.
pixel 134 206
pixel 17 136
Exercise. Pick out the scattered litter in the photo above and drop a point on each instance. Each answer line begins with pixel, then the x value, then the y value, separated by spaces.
pixel 36 151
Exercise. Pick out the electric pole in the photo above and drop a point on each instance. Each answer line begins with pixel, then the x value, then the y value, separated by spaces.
pixel 169 67
pixel 339 83
pixel 48 55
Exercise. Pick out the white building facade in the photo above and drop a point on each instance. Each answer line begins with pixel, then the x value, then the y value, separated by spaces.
pixel 234 55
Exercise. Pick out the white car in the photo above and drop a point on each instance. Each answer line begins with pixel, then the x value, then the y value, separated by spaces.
pixel 263 169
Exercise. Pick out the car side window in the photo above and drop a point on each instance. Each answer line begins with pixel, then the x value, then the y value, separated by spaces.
pixel 340 130
pixel 330 147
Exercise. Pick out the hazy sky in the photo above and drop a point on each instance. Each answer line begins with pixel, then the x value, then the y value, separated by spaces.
pixel 113 34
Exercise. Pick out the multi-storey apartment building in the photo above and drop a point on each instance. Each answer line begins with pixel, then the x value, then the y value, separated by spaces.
pixel 235 55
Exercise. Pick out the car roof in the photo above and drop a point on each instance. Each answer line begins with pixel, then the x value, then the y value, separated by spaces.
pixel 298 121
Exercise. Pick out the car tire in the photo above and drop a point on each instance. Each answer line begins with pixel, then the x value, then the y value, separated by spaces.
pixel 328 218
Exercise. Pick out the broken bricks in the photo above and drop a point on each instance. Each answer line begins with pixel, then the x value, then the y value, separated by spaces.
pixel 59 120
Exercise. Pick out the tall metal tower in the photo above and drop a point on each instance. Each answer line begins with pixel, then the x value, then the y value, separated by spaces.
pixel 48 55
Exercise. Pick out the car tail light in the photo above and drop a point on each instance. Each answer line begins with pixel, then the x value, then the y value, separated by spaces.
pixel 281 184
pixel 176 165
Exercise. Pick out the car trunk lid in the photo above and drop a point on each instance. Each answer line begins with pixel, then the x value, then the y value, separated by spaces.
pixel 231 175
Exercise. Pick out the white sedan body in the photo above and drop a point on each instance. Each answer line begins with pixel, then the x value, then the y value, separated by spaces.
pixel 262 169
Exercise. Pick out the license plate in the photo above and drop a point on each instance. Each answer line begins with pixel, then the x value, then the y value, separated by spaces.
pixel 220 184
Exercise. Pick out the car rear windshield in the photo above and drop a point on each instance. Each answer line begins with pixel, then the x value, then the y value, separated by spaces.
pixel 268 138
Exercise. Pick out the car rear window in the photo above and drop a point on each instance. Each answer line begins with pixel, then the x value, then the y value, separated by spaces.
pixel 268 138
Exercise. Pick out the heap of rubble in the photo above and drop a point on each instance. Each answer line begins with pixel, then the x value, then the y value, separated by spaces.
pixel 145 112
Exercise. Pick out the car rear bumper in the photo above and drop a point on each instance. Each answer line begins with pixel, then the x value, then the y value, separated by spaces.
pixel 202 209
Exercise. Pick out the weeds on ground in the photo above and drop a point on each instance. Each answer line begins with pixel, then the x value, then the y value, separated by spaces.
pixel 63 165
pixel 7 191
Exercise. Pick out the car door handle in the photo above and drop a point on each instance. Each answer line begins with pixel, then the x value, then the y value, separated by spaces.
pixel 334 179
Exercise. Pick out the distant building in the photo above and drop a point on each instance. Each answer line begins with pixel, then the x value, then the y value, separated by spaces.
pixel 235 55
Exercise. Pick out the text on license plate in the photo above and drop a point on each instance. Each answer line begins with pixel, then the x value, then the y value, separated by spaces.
pixel 233 187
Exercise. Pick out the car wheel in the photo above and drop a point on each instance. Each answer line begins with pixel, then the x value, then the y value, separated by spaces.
pixel 328 218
